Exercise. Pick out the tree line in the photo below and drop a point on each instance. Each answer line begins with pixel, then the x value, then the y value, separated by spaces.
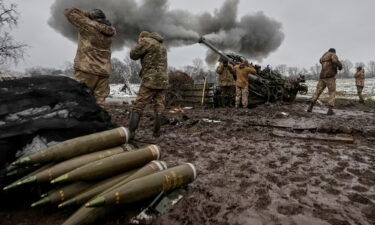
pixel 348 70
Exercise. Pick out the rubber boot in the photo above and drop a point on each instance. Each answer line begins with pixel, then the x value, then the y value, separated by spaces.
pixel 311 106
pixel 330 111
pixel 133 123
pixel 157 125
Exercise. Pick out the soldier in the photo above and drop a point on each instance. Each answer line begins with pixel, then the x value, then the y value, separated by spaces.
pixel 360 82
pixel 153 55
pixel 242 72
pixel 92 63
pixel 226 82
pixel 330 64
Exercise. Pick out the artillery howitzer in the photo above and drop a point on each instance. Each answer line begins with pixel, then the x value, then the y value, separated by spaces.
pixel 268 85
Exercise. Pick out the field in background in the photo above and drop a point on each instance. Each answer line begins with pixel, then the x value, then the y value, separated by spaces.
pixel 346 88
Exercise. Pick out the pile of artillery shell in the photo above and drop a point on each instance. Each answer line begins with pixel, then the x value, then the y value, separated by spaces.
pixel 98 172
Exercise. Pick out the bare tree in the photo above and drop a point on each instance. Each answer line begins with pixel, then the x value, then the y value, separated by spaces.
pixel 360 64
pixel 293 71
pixel 347 65
pixel 282 69
pixel 315 71
pixel 370 69
pixel 10 50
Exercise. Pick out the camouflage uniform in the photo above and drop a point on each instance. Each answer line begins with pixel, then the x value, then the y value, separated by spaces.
pixel 92 63
pixel 360 83
pixel 242 83
pixel 153 55
pixel 330 65
pixel 226 83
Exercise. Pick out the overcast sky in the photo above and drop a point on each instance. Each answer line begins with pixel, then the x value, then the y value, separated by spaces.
pixel 311 27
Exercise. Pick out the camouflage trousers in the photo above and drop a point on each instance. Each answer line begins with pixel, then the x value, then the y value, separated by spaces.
pixel 227 91
pixel 359 91
pixel 150 96
pixel 242 95
pixel 98 85
pixel 330 83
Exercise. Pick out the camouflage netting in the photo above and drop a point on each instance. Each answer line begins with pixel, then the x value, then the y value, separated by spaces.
pixel 176 80
pixel 39 110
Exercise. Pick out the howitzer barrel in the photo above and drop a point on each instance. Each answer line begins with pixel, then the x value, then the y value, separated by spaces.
pixel 202 40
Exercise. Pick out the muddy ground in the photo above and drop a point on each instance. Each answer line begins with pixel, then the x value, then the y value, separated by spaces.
pixel 249 176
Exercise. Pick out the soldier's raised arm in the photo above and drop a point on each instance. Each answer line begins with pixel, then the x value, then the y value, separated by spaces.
pixel 139 50
pixel 336 61
pixel 79 19
pixel 251 70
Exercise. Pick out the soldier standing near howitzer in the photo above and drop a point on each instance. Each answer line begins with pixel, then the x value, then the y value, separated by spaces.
pixel 330 64
pixel 92 63
pixel 360 82
pixel 153 55
pixel 242 72
pixel 226 83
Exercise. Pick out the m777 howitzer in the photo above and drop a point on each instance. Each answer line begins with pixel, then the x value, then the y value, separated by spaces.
pixel 268 85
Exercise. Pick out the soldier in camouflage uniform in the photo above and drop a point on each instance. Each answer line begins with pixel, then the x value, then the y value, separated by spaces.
pixel 226 82
pixel 330 64
pixel 153 55
pixel 242 83
pixel 360 82
pixel 92 63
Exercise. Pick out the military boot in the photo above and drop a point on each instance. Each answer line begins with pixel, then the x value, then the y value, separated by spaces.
pixel 311 106
pixel 330 111
pixel 133 123
pixel 157 125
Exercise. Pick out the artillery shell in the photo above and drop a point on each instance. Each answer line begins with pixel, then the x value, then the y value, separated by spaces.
pixel 64 193
pixel 147 186
pixel 78 146
pixel 69 165
pixel 112 165
pixel 83 197
pixel 18 182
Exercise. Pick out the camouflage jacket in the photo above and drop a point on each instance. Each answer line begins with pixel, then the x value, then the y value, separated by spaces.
pixel 225 75
pixel 360 78
pixel 242 73
pixel 330 64
pixel 94 43
pixel 153 55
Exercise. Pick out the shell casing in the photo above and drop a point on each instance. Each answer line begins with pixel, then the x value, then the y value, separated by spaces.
pixel 78 146
pixel 112 165
pixel 147 186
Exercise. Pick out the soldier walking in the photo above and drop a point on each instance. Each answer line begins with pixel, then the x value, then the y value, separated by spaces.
pixel 360 82
pixel 153 55
pixel 226 83
pixel 330 64
pixel 92 63
pixel 242 72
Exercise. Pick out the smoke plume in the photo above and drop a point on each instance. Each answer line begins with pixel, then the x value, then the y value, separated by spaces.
pixel 253 35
